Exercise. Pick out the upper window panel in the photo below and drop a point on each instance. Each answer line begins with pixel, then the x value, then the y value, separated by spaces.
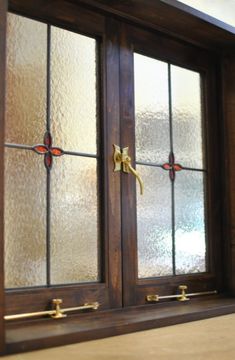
pixel 219 9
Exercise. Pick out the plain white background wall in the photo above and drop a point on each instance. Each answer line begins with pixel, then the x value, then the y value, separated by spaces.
pixel 223 10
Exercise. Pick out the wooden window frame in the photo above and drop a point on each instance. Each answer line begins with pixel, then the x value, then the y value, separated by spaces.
pixel 109 296
pixel 111 23
pixel 162 48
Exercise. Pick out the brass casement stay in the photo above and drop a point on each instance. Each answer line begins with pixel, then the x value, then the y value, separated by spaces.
pixel 180 297
pixel 122 161
pixel 57 313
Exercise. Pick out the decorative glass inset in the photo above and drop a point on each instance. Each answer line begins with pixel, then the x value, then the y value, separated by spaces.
pixel 47 150
pixel 171 166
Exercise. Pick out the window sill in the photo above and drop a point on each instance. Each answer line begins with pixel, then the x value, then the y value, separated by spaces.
pixel 76 328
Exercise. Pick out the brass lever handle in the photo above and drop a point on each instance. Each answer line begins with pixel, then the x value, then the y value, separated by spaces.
pixel 123 161
pixel 129 168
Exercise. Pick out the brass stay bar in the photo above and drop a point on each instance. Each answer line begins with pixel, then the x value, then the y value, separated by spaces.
pixel 57 313
pixel 180 297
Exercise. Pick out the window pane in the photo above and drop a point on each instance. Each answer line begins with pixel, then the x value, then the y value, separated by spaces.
pixel 167 212
pixel 58 68
pixel 186 113
pixel 26 80
pixel 154 224
pixel 25 219
pixel 74 221
pixel 73 91
pixel 190 223
pixel 151 109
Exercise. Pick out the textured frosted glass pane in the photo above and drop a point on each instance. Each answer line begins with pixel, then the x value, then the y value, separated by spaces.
pixel 74 231
pixel 186 107
pixel 25 219
pixel 151 109
pixel 154 224
pixel 26 80
pixel 73 90
pixel 190 223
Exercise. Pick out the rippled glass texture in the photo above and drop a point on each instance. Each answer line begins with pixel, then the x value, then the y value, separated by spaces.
pixel 190 237
pixel 25 219
pixel 26 80
pixel 187 117
pixel 154 232
pixel 151 109
pixel 73 91
pixel 74 221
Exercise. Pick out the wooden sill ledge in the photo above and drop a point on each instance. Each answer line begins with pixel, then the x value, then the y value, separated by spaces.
pixel 76 328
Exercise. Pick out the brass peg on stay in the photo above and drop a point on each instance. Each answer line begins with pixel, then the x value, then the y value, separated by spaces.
pixel 58 313
pixel 183 296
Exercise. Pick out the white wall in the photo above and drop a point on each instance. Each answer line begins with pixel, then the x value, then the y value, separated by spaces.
pixel 223 10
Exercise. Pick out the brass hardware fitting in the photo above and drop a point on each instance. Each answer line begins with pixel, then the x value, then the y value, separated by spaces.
pixel 152 298
pixel 183 296
pixel 57 313
pixel 180 297
pixel 122 161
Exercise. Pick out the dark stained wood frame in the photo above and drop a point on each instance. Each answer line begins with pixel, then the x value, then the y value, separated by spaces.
pixel 167 21
pixel 3 9
pixel 108 292
pixel 169 17
pixel 228 110
pixel 161 47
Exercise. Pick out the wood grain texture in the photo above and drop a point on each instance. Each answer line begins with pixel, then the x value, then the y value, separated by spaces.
pixel 3 9
pixel 129 246
pixel 27 300
pixel 112 22
pixel 197 340
pixel 61 13
pixel 170 17
pixel 107 293
pixel 23 337
pixel 228 78
pixel 112 136
pixel 134 39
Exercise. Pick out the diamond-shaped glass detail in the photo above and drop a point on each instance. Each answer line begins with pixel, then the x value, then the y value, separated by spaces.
pixel 171 166
pixel 47 150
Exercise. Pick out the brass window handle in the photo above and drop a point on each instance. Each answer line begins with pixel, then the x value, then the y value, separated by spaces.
pixel 122 161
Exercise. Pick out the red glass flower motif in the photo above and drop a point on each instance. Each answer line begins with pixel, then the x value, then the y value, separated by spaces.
pixel 171 166
pixel 47 150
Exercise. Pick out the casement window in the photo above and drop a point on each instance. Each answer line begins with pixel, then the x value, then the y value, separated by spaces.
pixel 113 189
